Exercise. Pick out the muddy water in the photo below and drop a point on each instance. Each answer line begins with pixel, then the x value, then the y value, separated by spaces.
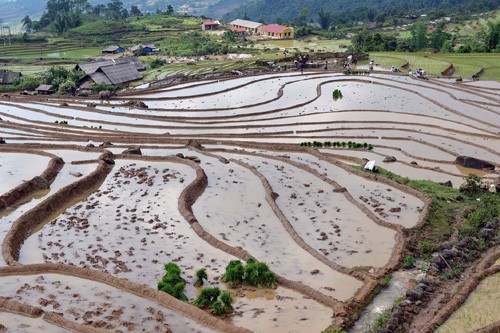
pixel 83 300
pixel 480 309
pixel 326 220
pixel 21 324
pixel 280 310
pixel 65 177
pixel 233 209
pixel 389 203
pixel 17 167
pixel 129 228
pixel 401 281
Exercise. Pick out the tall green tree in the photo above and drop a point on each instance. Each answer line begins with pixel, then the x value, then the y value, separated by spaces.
pixel 324 19
pixel 114 10
pixel 170 10
pixel 27 24
pixel 492 38
pixel 135 11
pixel 419 36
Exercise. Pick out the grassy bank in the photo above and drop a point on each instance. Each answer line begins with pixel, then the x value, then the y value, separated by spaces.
pixel 466 64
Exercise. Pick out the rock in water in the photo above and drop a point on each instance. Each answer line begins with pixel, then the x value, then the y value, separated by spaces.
pixel 195 144
pixel 474 163
pixel 40 183
pixel 132 151
pixel 388 159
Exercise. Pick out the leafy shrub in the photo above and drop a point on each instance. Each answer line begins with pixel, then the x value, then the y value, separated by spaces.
pixel 214 299
pixel 254 273
pixel 472 184
pixel 157 62
pixel 201 275
pixel 207 297
pixel 172 282
pixel 409 262
pixel 337 94
pixel 217 308
pixel 98 87
pixel 235 273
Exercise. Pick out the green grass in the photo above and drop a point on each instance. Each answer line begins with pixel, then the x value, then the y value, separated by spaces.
pixel 440 223
pixel 435 63
pixel 306 44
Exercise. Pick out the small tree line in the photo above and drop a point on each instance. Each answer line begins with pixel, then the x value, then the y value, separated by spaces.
pixel 337 144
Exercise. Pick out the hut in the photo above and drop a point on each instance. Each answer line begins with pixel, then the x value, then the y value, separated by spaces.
pixel 114 49
pixel 7 77
pixel 144 49
pixel 91 67
pixel 44 89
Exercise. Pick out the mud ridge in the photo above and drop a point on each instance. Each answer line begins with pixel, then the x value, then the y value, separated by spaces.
pixel 137 289
pixel 29 221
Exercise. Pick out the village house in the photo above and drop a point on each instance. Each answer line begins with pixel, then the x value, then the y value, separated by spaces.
pixel 210 25
pixel 250 27
pixel 144 49
pixel 114 49
pixel 277 31
pixel 117 71
pixel 44 89
pixel 6 77
pixel 239 32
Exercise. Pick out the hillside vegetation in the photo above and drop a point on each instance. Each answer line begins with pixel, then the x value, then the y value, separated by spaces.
pixel 287 10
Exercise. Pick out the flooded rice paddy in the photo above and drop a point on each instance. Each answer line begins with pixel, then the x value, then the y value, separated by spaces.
pixel 325 228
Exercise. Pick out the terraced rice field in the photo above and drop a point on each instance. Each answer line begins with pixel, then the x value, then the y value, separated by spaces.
pixel 84 244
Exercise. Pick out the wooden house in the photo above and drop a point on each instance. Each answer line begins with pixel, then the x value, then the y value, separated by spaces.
pixel 44 89
pixel 6 77
pixel 116 74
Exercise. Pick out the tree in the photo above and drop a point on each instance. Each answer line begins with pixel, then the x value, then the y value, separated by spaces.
pixel 419 36
pixel 124 13
pixel 201 275
pixel 492 38
pixel 99 10
pixel 170 10
pixel 27 24
pixel 113 9
pixel 324 19
pixel 134 11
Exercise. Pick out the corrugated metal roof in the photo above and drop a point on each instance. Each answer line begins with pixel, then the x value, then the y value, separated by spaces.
pixel 211 23
pixel 121 73
pixel 44 87
pixel 92 67
pixel 111 48
pixel 246 24
pixel 99 77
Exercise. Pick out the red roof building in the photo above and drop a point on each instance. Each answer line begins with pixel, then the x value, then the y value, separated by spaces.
pixel 210 25
pixel 277 31
pixel 240 32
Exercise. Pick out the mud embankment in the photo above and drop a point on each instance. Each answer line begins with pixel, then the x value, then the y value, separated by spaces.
pixel 483 270
pixel 24 225
pixel 12 306
pixel 35 184
pixel 134 288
